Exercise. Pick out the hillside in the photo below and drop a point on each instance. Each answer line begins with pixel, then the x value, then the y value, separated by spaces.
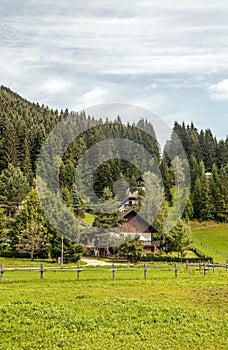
pixel 211 239
pixel 24 126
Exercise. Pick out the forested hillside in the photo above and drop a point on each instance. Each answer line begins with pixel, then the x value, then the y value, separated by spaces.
pixel 23 128
pixel 208 160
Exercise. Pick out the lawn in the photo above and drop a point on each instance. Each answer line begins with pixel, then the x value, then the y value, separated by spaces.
pixel 16 263
pixel 129 312
pixel 211 239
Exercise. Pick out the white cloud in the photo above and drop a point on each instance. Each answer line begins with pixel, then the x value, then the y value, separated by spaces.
pixel 151 86
pixel 54 86
pixel 219 91
pixel 80 53
pixel 93 97
pixel 158 39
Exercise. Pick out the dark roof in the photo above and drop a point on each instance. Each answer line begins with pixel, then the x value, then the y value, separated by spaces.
pixel 122 203
pixel 141 217
pixel 139 179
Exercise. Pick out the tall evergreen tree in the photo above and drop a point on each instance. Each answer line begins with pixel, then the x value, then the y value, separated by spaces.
pixel 178 239
pixel 13 187
pixel 30 227
pixel 76 199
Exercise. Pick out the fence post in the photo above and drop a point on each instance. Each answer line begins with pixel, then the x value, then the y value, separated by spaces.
pixel 213 267
pixel 175 269
pixel 200 265
pixel 208 265
pixel 78 272
pixel 204 269
pixel 226 265
pixel 41 272
pixel 2 272
pixel 113 271
pixel 186 264
pixel 144 268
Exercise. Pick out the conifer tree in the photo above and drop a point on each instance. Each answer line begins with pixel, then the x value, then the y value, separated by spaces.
pixel 13 187
pixel 30 227
pixel 219 191
pixel 76 199
pixel 178 239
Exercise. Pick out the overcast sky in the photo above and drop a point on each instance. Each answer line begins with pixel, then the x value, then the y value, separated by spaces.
pixel 169 56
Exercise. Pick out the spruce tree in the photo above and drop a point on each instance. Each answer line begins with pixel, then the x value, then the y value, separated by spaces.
pixel 76 199
pixel 14 186
pixel 178 239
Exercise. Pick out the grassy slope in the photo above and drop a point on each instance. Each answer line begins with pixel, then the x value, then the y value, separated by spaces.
pixel 211 239
pixel 89 219
pixel 129 313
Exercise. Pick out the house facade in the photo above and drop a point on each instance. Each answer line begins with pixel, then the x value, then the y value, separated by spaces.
pixel 134 223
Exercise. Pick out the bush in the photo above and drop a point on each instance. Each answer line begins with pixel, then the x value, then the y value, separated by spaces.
pixel 12 254
pixel 153 257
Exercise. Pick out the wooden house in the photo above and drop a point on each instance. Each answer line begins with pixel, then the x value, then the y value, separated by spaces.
pixel 133 223
pixel 129 202
pixel 133 199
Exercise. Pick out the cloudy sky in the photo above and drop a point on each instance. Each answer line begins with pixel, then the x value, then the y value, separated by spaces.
pixel 169 56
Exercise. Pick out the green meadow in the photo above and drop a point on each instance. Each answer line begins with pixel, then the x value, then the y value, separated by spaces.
pixel 211 239
pixel 88 218
pixel 128 312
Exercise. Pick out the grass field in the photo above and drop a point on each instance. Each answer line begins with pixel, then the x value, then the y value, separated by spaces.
pixel 89 219
pixel 211 239
pixel 97 312
pixel 127 313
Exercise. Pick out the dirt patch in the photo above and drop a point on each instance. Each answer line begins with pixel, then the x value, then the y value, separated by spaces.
pixel 94 262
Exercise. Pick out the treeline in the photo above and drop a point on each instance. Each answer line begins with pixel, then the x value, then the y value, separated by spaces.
pixel 208 162
pixel 24 126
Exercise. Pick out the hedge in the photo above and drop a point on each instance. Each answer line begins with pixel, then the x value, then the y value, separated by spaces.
pixel 11 254
pixel 152 257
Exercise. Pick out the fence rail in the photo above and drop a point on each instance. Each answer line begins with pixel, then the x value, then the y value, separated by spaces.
pixel 189 267
pixel 210 248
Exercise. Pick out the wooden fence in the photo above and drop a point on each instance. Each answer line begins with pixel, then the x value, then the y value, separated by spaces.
pixel 114 269
pixel 213 249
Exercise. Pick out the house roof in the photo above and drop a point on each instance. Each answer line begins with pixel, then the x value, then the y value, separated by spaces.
pixel 123 202
pixel 139 179
pixel 132 211
pixel 132 195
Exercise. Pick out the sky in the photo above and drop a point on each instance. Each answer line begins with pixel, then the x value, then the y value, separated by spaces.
pixel 168 56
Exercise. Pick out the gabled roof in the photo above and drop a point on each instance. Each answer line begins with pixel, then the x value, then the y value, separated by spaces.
pixel 132 211
pixel 132 195
pixel 123 202
pixel 139 179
